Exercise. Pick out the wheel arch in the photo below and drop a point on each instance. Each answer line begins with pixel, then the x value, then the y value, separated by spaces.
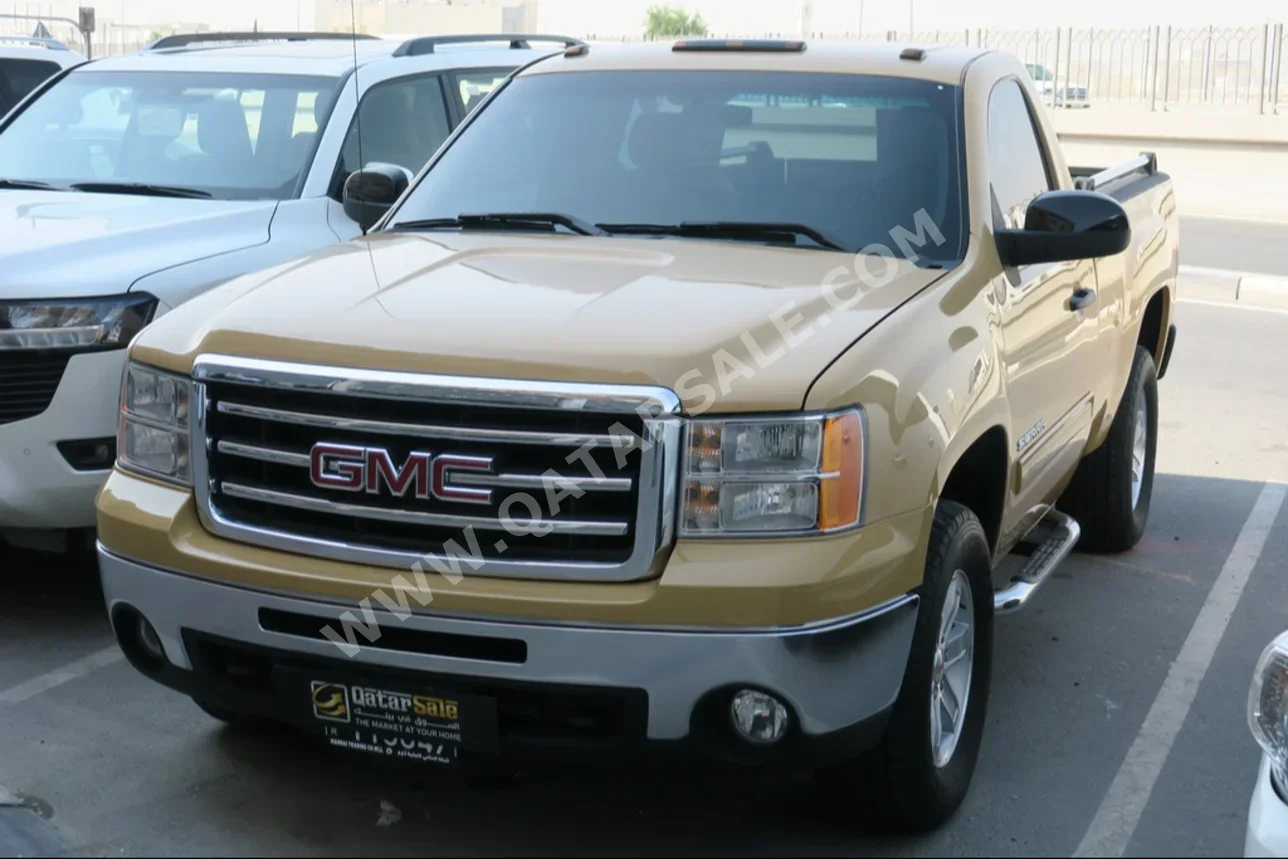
pixel 1154 325
pixel 977 479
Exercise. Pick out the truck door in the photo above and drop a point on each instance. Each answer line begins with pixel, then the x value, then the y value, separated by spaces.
pixel 1048 334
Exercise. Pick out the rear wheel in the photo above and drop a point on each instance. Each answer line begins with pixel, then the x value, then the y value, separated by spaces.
pixel 1111 490
pixel 919 774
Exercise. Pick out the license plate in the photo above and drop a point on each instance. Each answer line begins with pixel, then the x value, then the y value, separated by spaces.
pixel 390 720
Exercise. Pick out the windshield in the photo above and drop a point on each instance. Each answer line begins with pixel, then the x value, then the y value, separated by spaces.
pixel 233 136
pixel 850 157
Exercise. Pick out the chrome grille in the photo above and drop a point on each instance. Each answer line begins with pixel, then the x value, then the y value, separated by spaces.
pixel 257 422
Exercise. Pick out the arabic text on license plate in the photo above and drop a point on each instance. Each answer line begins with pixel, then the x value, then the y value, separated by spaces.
pixel 427 727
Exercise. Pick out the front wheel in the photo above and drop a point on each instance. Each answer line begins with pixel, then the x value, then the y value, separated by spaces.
pixel 918 776
pixel 1111 490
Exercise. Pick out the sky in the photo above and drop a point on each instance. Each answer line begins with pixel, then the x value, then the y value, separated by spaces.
pixel 748 17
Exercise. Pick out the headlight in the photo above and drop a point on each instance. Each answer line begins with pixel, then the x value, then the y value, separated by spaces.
pixel 153 435
pixel 1268 706
pixel 77 323
pixel 791 475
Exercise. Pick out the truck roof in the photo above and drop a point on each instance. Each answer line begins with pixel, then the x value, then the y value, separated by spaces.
pixel 941 64
pixel 331 57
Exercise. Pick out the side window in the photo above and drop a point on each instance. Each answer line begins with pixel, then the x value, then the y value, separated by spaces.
pixel 1016 166
pixel 474 86
pixel 19 77
pixel 402 122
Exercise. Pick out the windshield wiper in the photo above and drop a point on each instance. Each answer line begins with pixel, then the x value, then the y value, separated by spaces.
pixel 750 230
pixel 28 185
pixel 141 188
pixel 544 221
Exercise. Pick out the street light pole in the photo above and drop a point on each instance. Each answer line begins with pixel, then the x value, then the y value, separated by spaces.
pixel 911 28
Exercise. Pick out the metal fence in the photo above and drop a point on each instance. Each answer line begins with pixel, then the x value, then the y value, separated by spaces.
pixel 1159 67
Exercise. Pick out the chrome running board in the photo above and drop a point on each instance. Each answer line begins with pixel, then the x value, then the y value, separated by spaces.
pixel 1054 538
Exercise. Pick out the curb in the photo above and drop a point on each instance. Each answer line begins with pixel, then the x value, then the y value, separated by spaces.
pixel 23 832
pixel 1248 289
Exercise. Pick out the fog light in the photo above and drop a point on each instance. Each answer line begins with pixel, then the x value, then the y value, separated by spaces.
pixel 89 454
pixel 758 717
pixel 149 640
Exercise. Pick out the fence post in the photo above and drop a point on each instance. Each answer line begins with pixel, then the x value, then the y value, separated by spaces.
pixel 1265 54
pixel 1153 101
pixel 1279 66
pixel 1167 69
pixel 1055 70
pixel 1207 65
pixel 1068 65
pixel 1091 48
pixel 1144 66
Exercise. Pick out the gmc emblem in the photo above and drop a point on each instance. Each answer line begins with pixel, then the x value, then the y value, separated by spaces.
pixel 372 470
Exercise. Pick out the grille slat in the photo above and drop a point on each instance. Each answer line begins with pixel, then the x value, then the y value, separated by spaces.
pixel 411 517
pixel 502 481
pixel 450 433
pixel 28 382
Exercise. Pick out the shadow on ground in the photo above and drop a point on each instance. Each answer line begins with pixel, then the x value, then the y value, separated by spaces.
pixel 40 590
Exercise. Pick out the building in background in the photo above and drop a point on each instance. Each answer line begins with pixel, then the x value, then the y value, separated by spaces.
pixel 413 17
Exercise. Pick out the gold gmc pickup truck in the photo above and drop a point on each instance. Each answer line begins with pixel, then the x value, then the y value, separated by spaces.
pixel 711 397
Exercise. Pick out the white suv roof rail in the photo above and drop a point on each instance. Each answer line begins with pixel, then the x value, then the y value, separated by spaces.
pixel 185 39
pixel 34 41
pixel 518 41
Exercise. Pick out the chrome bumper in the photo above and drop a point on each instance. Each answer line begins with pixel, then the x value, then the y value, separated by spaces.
pixel 834 674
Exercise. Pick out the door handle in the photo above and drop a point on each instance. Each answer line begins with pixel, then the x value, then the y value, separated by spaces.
pixel 1082 299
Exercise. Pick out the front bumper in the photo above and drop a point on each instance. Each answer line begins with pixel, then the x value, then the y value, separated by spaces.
pixel 38 488
pixel 839 677
pixel 1267 818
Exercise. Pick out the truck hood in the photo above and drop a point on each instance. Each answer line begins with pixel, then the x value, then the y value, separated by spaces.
pixel 753 323
pixel 63 244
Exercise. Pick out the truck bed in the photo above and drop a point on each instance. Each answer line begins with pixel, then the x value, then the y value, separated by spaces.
pixel 1122 181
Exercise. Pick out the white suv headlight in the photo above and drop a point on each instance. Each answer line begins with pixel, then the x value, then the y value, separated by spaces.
pixel 791 475
pixel 152 438
pixel 77 323
pixel 1268 706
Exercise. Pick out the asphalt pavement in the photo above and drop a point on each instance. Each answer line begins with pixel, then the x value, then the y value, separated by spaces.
pixel 1083 678
pixel 1252 246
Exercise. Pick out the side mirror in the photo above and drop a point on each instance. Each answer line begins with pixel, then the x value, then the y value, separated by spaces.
pixel 1067 225
pixel 371 191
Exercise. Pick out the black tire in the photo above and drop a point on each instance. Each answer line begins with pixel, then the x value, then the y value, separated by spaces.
pixel 1100 495
pixel 897 786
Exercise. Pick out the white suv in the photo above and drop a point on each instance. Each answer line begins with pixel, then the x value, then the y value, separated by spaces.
pixel 135 183
pixel 27 62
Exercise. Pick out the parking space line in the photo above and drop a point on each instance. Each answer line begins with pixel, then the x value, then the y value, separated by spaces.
pixel 1250 307
pixel 1120 811
pixel 59 676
